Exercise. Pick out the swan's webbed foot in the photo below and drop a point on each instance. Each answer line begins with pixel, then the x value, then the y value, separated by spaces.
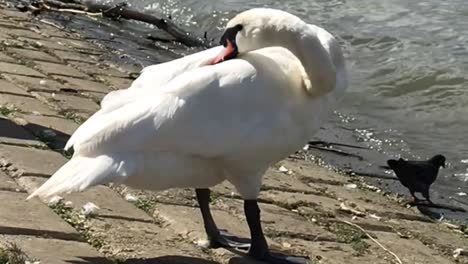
pixel 217 238
pixel 276 258
pixel 225 239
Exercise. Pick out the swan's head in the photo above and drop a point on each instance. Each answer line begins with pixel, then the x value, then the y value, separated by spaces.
pixel 317 50
pixel 257 28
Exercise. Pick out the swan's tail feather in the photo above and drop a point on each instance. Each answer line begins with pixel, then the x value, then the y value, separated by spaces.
pixel 78 174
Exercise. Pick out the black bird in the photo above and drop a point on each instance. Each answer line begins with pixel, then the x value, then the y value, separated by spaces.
pixel 417 176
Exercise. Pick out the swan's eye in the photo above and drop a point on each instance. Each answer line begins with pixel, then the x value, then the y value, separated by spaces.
pixel 239 27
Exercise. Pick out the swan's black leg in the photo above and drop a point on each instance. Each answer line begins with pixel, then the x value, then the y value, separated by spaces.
pixel 217 238
pixel 259 249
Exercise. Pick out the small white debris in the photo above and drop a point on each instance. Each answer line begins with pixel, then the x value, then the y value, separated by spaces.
pixel 461 194
pixel 354 217
pixel 351 186
pixel 376 217
pixel 441 218
pixel 89 209
pixel 345 208
pixel 457 252
pixel 131 198
pixel 451 226
pixel 69 204
pixel 233 194
pixel 286 245
pixel 464 161
pixel 405 236
pixel 29 262
pixel 53 94
pixel 371 187
pixel 42 82
pixel 203 243
pixel 36 113
pixel 314 220
pixel 55 200
pixel 306 147
pixel 38 44
pixel 285 170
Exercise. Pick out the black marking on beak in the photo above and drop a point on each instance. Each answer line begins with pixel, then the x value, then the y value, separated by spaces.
pixel 230 35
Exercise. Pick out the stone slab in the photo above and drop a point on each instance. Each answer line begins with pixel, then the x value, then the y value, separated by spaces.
pixel 19 69
pixel 129 230
pixel 34 55
pixel 7 184
pixel 75 56
pixel 99 69
pixel 87 85
pixel 51 129
pixel 38 231
pixel 47 43
pixel 37 124
pixel 71 102
pixel 56 251
pixel 24 33
pixel 6 58
pixel 11 133
pixel 76 43
pixel 30 161
pixel 9 88
pixel 59 69
pixel 118 83
pixel 35 84
pixel 26 104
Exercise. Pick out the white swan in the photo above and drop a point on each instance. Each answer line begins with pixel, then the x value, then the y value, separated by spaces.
pixel 188 123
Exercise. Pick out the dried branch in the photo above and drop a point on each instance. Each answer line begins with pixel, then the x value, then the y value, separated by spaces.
pixel 373 239
pixel 119 11
pixel 328 144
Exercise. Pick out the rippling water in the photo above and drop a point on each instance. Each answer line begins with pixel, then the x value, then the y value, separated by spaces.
pixel 408 62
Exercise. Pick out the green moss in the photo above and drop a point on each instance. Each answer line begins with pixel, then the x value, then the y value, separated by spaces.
pixel 8 109
pixel 78 222
pixel 117 259
pixel 12 254
pixel 72 116
pixel 350 235
pixel 145 205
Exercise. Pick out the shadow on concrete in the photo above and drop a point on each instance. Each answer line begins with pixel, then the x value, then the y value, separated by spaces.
pixel 156 260
pixel 19 231
pixel 54 138
pixel 8 129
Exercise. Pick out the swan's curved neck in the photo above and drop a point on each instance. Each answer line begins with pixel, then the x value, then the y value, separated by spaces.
pixel 317 62
pixel 303 41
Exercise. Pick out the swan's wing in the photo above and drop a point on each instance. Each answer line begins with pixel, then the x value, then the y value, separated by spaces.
pixel 158 75
pixel 210 111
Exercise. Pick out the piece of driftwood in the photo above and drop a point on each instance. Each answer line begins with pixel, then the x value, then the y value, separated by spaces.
pixel 337 151
pixel 119 11
pixel 329 144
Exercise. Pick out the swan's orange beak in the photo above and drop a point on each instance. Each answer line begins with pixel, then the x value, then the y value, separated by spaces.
pixel 227 53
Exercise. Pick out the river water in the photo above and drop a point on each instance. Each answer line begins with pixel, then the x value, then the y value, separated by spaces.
pixel 408 64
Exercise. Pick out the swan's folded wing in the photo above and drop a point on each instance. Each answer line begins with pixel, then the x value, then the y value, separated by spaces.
pixel 158 75
pixel 205 113
pixel 155 77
